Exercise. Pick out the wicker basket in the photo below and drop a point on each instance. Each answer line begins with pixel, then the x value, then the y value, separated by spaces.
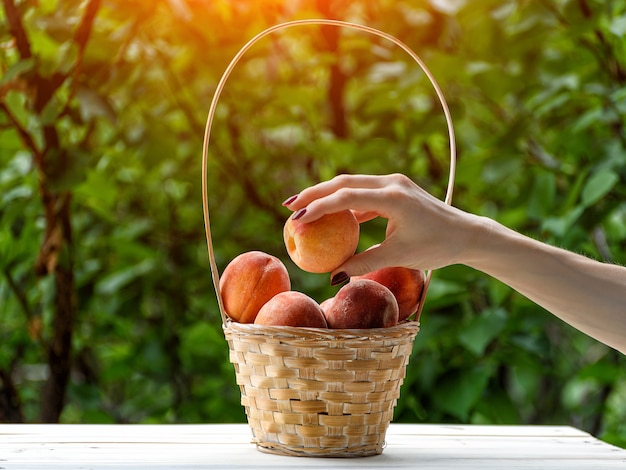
pixel 315 392
pixel 310 391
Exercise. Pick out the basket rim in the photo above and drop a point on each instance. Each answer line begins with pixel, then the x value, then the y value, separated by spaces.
pixel 406 327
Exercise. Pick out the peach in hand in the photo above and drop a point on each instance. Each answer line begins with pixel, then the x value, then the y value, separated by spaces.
pixel 324 244
pixel 404 283
pixel 249 281
pixel 291 308
pixel 361 303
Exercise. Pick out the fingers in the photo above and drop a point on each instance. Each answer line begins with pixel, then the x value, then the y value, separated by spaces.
pixel 364 216
pixel 329 187
pixel 365 203
pixel 365 195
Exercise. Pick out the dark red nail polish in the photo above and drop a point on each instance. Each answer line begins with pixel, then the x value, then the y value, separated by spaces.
pixel 299 213
pixel 290 200
pixel 339 278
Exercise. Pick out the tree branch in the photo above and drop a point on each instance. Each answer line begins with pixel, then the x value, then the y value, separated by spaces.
pixel 16 28
pixel 83 32
pixel 337 81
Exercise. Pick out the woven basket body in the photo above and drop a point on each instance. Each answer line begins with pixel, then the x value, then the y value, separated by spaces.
pixel 314 392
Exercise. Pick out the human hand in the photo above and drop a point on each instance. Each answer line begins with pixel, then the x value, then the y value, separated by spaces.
pixel 422 231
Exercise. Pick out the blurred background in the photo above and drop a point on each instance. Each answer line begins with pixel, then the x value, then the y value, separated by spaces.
pixel 107 308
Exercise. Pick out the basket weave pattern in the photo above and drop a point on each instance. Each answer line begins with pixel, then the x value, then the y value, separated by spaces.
pixel 317 392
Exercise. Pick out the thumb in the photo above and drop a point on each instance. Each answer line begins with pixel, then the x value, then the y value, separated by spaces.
pixel 375 257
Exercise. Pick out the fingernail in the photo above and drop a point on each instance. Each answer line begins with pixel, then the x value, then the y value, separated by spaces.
pixel 289 200
pixel 299 213
pixel 339 278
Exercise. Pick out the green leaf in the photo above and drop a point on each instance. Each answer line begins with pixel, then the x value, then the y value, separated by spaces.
pixel 542 195
pixel 17 69
pixel 17 104
pixel 50 113
pixel 114 282
pixel 459 390
pixel 200 345
pixel 615 223
pixel 598 186
pixel 97 192
pixel 588 119
pixel 116 359
pixel 442 292
pixel 602 372
pixel 560 225
pixel 93 105
pixel 18 192
pixel 497 407
pixel 618 26
pixel 482 330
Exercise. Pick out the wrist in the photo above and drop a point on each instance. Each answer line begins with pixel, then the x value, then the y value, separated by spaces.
pixel 481 237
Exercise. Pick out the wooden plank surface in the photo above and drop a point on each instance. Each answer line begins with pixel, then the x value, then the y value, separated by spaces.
pixel 227 446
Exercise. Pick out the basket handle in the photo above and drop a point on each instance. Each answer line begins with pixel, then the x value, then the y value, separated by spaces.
pixel 213 107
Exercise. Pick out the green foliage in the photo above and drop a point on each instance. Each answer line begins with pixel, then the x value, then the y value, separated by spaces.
pixel 537 95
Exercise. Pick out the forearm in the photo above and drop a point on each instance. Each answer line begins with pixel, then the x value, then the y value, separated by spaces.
pixel 589 295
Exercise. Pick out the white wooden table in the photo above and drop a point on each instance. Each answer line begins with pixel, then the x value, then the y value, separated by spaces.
pixel 227 446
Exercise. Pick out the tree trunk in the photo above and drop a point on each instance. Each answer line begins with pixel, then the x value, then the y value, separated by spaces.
pixel 10 407
pixel 337 84
pixel 59 257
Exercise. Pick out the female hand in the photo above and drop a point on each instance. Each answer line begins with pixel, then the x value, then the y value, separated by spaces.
pixel 422 231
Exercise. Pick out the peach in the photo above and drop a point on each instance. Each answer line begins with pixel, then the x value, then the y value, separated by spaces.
pixel 404 283
pixel 361 303
pixel 326 303
pixel 324 244
pixel 291 308
pixel 249 281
